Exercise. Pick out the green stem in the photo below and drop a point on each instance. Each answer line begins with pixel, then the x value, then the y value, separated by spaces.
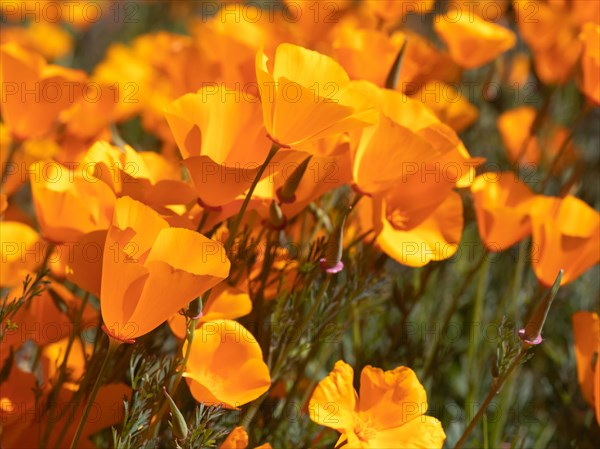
pixel 238 219
pixel 112 346
pixel 63 368
pixel 494 389
pixel 153 429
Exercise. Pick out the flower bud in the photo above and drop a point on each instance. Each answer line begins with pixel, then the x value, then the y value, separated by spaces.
pixel 277 220
pixel 178 424
pixel 532 333
pixel 195 309
pixel 332 262
pixel 287 193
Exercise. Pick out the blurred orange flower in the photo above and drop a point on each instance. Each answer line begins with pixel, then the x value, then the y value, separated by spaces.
pixel 238 439
pixel 472 41
pixel 502 205
pixel 146 277
pixel 390 411
pixel 586 329
pixel 566 235
pixel 520 142
pixel 241 379
pixel 35 93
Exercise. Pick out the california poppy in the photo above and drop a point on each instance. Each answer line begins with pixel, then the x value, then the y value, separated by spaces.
pixel 473 42
pixel 519 140
pixel 146 278
pixel 502 205
pixel 389 411
pixel 55 89
pixel 586 329
pixel 241 379
pixel 566 235
pixel 306 96
pixel 67 204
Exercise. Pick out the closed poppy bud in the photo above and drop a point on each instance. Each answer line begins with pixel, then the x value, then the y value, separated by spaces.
pixel 178 424
pixel 332 262
pixel 277 220
pixel 473 42
pixel 531 334
pixel 287 192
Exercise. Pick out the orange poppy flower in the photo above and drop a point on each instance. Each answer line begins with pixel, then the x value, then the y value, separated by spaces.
pixel 514 126
pixel 586 329
pixel 473 42
pixel 502 205
pixel 418 227
pixel 238 439
pixel 243 378
pixel 224 303
pixel 21 251
pixel 35 93
pixel 451 107
pixel 366 54
pixel 389 412
pixel 48 39
pixel 145 176
pixel 590 62
pixel 552 35
pixel 223 141
pixel 566 235
pixel 143 266
pixel 423 62
pixel 28 430
pixel 68 204
pixel 306 96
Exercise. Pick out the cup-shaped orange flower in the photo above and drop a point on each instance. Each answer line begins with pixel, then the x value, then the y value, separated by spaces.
pixel 473 42
pixel 151 270
pixel 222 139
pixel 366 54
pixel 590 61
pixel 389 412
pixel 520 142
pixel 34 93
pixel 226 365
pixel 21 251
pixel 502 205
pixel 586 329
pixel 306 96
pixel 566 235
pixel 67 203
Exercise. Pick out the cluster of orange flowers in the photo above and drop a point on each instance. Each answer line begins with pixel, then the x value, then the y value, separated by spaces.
pixel 258 119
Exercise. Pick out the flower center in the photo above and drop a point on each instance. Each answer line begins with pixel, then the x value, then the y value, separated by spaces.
pixel 397 219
